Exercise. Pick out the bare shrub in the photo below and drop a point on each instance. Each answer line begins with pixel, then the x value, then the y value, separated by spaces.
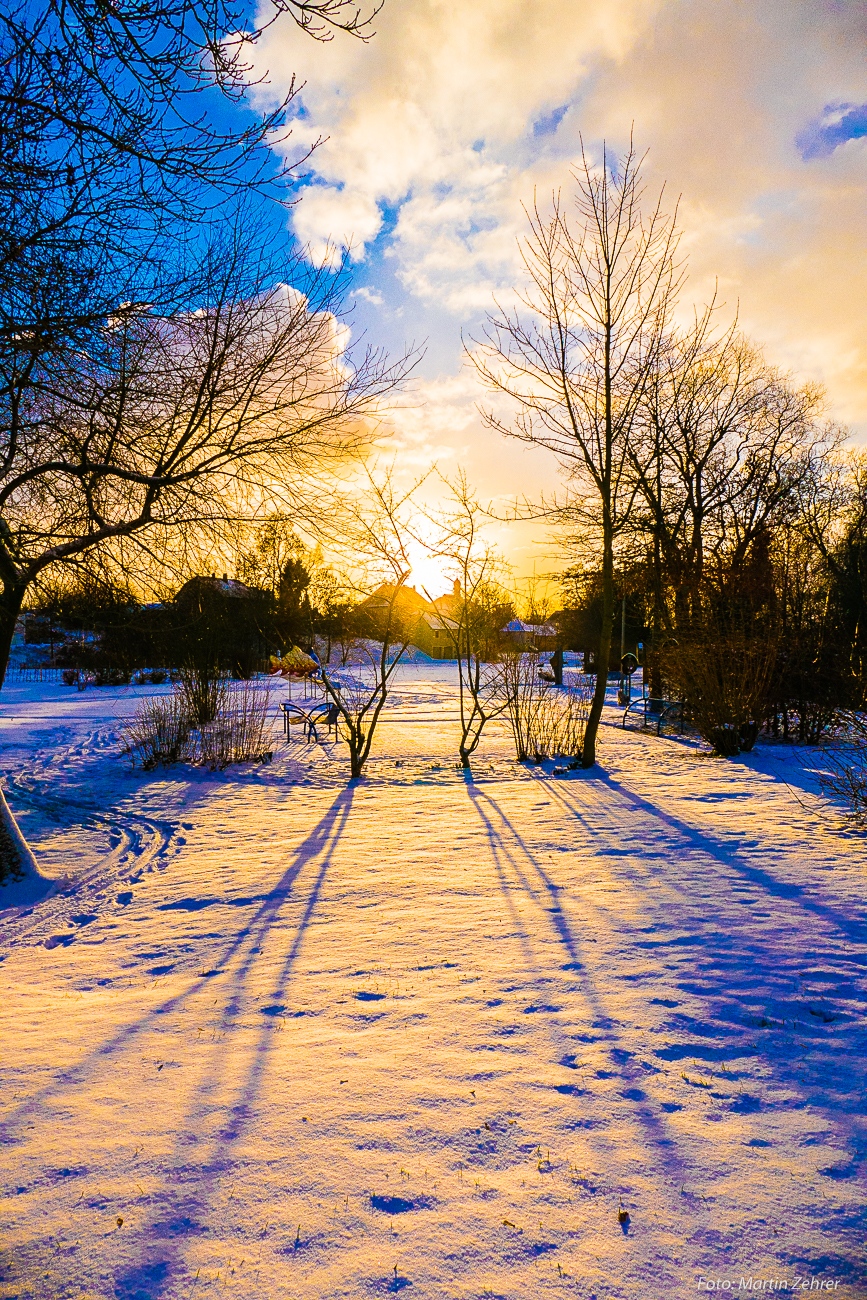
pixel 374 529
pixel 546 722
pixel 562 722
pixel 241 730
pixel 163 731
pixel 473 615
pixel 159 733
pixel 846 778
pixel 723 682
pixel 845 774
pixel 519 685
pixel 203 688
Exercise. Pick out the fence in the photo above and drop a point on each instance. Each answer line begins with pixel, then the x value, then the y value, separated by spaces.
pixel 16 674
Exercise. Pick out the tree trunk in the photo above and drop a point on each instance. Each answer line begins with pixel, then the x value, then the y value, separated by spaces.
pixel 603 655
pixel 16 859
pixel 11 600
pixel 356 752
pixel 652 661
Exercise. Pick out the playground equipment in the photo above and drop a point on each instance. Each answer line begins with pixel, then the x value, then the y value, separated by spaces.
pixel 628 665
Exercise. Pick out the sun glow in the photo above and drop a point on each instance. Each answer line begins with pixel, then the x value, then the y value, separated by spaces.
pixel 429 573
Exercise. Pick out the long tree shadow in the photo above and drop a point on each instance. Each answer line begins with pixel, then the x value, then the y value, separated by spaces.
pixel 250 935
pixel 656 1132
pixel 668 836
pixel 756 982
pixel 180 1215
pixel 724 966
pixel 854 928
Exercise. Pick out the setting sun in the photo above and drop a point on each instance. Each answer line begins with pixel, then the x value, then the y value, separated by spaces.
pixel 429 573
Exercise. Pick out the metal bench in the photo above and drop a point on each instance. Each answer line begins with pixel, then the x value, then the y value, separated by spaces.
pixel 652 714
pixel 324 714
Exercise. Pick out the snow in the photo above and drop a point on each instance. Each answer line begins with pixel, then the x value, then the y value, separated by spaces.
pixel 281 1038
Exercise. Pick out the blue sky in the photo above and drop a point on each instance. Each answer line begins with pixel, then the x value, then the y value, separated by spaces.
pixel 839 124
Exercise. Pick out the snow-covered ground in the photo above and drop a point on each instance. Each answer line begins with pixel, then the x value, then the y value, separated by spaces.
pixel 282 1038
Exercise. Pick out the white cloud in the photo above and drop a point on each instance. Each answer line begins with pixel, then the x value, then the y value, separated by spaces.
pixel 450 117
pixel 368 295
pixel 436 115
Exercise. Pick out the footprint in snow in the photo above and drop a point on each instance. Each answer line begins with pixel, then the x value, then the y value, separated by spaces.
pixel 59 941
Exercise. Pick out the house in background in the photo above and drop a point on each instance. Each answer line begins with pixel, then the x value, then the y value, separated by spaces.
pixel 422 623
pixel 530 636
pixel 218 621
pixel 199 592
pixel 432 625
pixel 435 635
pixel 439 625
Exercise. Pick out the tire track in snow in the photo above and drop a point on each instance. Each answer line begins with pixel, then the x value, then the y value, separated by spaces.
pixel 140 843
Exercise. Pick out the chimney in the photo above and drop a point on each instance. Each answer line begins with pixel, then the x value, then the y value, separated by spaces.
pixel 457 587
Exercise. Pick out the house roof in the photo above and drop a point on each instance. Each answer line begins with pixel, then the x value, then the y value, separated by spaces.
pixel 409 600
pixel 530 629
pixel 438 624
pixel 224 586
pixel 448 604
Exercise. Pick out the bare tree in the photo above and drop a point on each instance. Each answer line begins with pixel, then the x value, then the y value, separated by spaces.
pixel 115 170
pixel 174 420
pixel 473 618
pixel 117 420
pixel 93 92
pixel 577 354
pixel 720 448
pixel 372 530
pixel 261 551
pixel 116 142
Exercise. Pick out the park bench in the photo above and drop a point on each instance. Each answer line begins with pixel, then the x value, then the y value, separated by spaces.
pixel 325 714
pixel 651 713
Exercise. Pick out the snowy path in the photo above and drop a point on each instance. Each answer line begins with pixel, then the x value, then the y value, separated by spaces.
pixel 428 1034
